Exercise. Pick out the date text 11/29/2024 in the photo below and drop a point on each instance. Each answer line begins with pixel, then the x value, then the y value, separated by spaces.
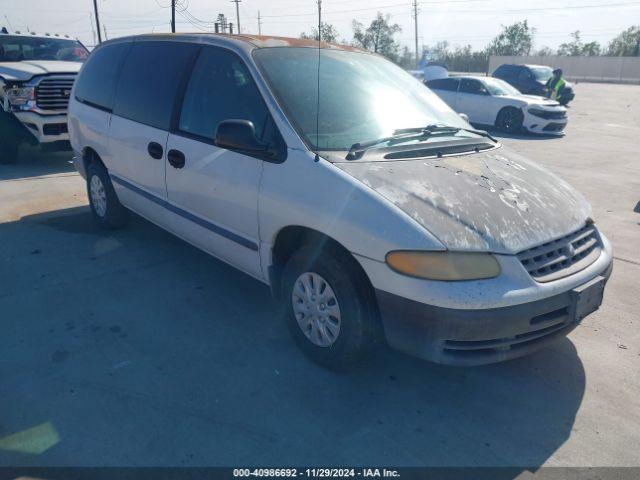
pixel 316 472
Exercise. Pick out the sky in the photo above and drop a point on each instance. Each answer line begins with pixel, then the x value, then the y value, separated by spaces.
pixel 460 22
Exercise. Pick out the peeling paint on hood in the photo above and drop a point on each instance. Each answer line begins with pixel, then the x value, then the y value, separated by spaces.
pixel 496 201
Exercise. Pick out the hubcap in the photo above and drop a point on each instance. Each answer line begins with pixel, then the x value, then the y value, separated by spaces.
pixel 316 309
pixel 98 196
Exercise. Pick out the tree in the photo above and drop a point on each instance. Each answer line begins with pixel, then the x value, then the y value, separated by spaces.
pixel 378 37
pixel 572 48
pixel 515 39
pixel 591 49
pixel 329 33
pixel 406 59
pixel 626 44
pixel 575 47
pixel 544 52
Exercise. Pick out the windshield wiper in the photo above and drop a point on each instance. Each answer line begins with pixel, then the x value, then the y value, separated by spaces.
pixel 442 128
pixel 405 134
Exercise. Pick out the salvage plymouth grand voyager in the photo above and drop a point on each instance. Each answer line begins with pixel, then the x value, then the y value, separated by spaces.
pixel 371 209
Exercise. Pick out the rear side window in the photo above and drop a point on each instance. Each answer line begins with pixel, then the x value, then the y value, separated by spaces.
pixel 96 84
pixel 151 76
pixel 221 88
pixel 506 71
pixel 449 84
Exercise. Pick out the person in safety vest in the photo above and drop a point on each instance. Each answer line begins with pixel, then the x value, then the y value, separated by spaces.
pixel 555 86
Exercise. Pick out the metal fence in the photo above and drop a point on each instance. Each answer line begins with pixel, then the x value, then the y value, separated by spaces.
pixel 587 69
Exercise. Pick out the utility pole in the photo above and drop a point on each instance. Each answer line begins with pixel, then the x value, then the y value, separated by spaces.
pixel 237 2
pixel 259 24
pixel 93 30
pixel 415 19
pixel 95 12
pixel 8 22
pixel 173 16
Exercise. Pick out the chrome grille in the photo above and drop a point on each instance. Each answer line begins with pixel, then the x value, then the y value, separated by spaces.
pixel 52 93
pixel 564 256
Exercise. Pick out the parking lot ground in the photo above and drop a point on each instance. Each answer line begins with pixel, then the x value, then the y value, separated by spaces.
pixel 134 348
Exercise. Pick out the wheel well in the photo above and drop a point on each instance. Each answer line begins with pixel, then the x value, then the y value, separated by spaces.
pixel 508 107
pixel 291 238
pixel 90 156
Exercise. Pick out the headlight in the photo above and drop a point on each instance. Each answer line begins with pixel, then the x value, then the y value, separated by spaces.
pixel 540 113
pixel 444 265
pixel 21 98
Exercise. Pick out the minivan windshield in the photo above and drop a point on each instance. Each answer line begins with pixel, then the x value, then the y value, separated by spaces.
pixel 542 74
pixel 15 48
pixel 362 96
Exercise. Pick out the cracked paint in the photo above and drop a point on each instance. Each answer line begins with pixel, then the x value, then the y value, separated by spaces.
pixel 499 202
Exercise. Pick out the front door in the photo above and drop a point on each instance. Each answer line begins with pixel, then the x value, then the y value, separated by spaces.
pixel 214 191
pixel 474 100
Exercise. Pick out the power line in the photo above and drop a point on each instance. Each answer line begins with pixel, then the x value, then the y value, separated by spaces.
pixel 516 10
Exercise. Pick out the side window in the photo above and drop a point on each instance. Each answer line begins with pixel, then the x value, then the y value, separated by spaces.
pixel 449 84
pixel 524 74
pixel 506 71
pixel 221 88
pixel 468 85
pixel 151 76
pixel 96 83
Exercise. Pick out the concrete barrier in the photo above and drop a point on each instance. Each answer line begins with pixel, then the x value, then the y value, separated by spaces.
pixel 586 69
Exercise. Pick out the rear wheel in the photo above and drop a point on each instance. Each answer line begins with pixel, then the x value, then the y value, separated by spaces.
pixel 509 120
pixel 330 311
pixel 104 203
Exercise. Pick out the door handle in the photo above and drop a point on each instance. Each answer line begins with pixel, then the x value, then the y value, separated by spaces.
pixel 176 158
pixel 155 150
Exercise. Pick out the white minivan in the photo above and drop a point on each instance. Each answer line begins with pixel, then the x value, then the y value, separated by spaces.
pixel 371 209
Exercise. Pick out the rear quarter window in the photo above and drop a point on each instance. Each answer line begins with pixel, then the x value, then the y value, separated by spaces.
pixel 151 77
pixel 96 83
pixel 448 84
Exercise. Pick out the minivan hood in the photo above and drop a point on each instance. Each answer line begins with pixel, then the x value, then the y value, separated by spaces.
pixel 27 69
pixel 496 201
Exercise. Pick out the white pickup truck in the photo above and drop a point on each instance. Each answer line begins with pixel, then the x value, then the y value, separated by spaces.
pixel 36 76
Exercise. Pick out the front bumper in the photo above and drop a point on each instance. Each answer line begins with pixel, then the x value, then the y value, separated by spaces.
pixel 479 336
pixel 45 128
pixel 543 126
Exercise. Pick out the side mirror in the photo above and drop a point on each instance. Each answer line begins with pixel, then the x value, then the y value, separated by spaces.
pixel 464 116
pixel 239 135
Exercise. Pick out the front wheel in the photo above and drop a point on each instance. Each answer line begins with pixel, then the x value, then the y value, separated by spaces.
pixel 330 311
pixel 104 203
pixel 509 120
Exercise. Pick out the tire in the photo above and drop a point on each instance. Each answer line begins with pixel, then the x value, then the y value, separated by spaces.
pixel 509 120
pixel 8 151
pixel 345 297
pixel 105 206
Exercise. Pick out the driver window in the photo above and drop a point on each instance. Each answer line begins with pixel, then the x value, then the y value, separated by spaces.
pixel 474 87
pixel 220 88
pixel 524 74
